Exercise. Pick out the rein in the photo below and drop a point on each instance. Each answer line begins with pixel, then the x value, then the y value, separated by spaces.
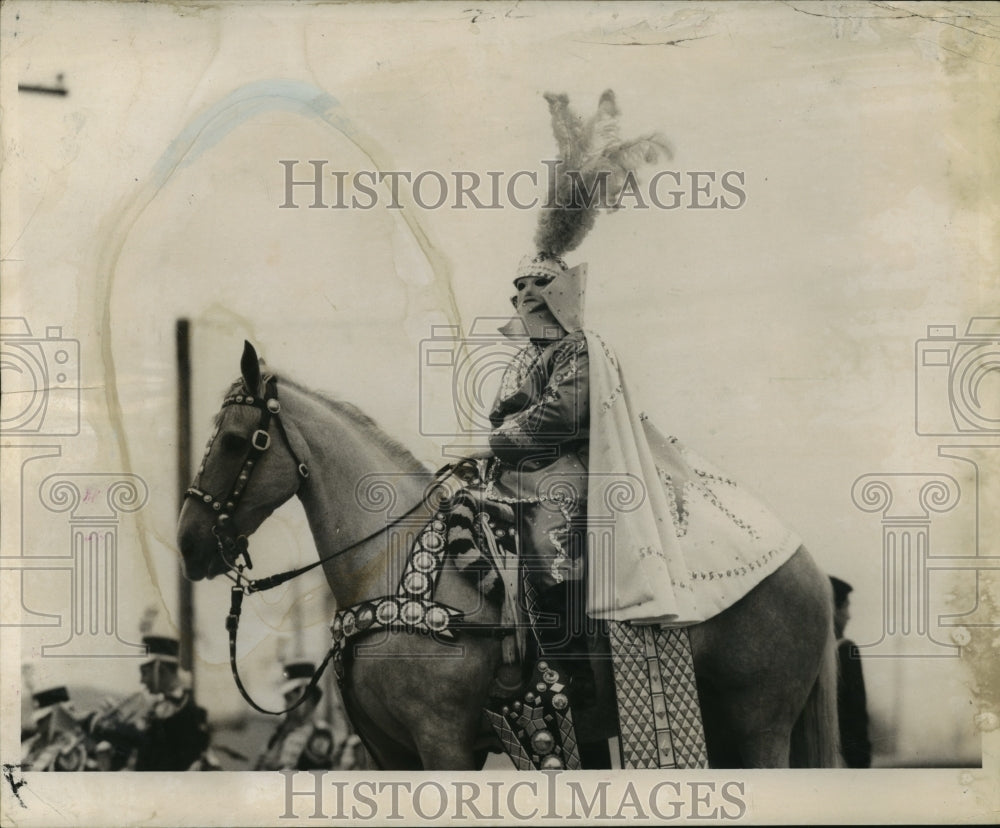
pixel 232 547
pixel 243 586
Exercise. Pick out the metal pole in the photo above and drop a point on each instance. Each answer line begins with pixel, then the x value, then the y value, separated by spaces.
pixel 186 588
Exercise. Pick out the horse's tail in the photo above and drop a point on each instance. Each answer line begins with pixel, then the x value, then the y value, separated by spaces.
pixel 816 736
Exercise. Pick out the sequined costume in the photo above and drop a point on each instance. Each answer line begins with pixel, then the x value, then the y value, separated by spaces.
pixel 658 534
pixel 540 440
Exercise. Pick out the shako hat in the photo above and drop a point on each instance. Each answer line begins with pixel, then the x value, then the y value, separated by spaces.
pixel 44 700
pixel 841 589
pixel 161 648
pixel 297 674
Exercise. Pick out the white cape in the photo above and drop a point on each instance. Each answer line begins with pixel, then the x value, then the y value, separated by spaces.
pixel 654 558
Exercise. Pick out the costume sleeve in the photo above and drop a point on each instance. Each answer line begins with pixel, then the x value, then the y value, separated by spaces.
pixel 561 413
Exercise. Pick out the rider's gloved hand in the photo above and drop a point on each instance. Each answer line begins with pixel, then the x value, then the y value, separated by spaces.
pixel 467 470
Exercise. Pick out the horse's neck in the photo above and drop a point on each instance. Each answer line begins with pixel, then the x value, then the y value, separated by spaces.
pixel 351 472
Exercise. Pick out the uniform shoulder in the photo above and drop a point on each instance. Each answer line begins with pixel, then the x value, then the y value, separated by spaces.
pixel 848 650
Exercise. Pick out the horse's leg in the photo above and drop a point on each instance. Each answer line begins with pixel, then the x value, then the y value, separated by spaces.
pixel 747 724
pixel 761 658
pixel 720 740
pixel 379 729
pixel 398 741
pixel 762 736
pixel 446 736
pixel 439 756
pixel 427 695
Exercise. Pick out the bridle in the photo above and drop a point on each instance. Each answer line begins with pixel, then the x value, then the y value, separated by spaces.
pixel 233 547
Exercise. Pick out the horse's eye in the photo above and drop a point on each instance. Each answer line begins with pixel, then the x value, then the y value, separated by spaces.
pixel 234 442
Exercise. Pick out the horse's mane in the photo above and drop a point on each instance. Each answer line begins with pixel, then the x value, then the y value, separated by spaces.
pixel 396 450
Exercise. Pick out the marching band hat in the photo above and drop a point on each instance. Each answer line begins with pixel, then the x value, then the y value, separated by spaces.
pixel 45 699
pixel 841 589
pixel 161 648
pixel 297 674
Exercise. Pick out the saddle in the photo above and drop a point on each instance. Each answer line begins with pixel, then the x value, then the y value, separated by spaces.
pixel 544 697
pixel 530 710
pixel 584 684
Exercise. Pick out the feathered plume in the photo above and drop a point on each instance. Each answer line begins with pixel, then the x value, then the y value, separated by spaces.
pixel 594 165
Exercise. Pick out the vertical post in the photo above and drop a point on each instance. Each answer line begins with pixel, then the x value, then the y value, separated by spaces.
pixel 186 588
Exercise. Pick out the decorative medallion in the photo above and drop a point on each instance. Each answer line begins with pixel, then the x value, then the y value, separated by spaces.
pixel 411 613
pixel 388 611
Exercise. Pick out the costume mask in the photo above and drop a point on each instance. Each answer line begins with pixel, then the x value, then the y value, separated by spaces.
pixel 564 297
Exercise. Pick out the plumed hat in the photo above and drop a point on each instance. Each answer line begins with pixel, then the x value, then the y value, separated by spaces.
pixel 540 264
pixel 564 295
pixel 591 172
pixel 592 169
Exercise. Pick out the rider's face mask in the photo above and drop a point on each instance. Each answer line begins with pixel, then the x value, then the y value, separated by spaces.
pixel 549 299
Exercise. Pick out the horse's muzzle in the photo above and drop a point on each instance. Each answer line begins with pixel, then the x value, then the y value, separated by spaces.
pixel 200 554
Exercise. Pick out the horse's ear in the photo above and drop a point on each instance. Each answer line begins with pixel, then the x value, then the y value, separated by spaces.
pixel 250 366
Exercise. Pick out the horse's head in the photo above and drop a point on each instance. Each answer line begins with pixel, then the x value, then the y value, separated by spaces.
pixel 254 462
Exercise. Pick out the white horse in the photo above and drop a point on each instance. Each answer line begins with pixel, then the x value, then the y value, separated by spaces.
pixel 766 666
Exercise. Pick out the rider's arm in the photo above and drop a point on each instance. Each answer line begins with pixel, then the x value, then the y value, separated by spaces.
pixel 560 415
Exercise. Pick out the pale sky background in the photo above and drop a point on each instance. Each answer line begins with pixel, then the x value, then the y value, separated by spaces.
pixel 778 339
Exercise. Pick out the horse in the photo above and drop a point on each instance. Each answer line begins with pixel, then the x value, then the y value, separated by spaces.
pixel 765 667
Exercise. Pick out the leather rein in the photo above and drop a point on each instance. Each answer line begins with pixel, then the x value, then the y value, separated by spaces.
pixel 233 547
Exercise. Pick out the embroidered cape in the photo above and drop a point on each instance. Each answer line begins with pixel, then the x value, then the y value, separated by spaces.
pixel 672 541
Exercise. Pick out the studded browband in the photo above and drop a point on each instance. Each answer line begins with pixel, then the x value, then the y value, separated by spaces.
pixel 260 441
